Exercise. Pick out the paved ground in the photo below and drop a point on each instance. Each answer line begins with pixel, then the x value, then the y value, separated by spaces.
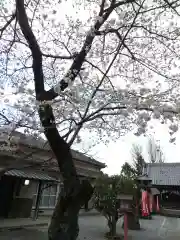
pixel 94 227
pixel 43 220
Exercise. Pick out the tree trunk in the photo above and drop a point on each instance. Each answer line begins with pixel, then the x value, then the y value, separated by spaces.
pixel 64 221
pixel 86 206
pixel 112 226
pixel 113 229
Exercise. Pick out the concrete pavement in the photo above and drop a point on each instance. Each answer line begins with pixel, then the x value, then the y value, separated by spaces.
pixel 156 229
pixel 94 228
pixel 19 223
pixel 23 234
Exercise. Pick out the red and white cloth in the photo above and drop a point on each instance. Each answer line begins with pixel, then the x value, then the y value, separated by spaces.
pixel 151 203
pixel 144 202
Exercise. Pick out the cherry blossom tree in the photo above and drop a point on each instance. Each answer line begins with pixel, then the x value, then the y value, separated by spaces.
pixel 107 66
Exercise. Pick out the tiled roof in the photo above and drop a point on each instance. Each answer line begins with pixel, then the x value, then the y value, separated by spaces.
pixel 163 173
pixel 80 156
pixel 40 143
pixel 27 174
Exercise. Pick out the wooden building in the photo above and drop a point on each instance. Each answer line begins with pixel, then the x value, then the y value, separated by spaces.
pixel 28 169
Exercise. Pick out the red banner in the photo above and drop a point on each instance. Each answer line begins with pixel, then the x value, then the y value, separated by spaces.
pixel 144 202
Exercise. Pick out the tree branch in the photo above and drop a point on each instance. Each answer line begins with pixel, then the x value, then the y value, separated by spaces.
pixel 33 45
pixel 170 5
pixel 118 4
pixel 125 45
pixel 5 118
pixel 94 66
pixel 7 24
pixel 80 58
pixel 102 7
pixel 59 57
pixel 113 30
pixel 111 63
pixel 79 126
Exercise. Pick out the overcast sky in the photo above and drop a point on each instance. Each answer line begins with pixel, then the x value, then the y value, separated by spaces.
pixel 117 152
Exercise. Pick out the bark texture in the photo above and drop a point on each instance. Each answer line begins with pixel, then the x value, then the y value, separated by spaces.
pixel 64 222
pixel 112 221
pixel 113 227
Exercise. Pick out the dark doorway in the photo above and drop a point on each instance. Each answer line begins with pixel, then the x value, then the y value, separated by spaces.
pixel 171 199
pixel 7 184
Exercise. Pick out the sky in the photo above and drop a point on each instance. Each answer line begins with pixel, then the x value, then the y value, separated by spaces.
pixel 116 153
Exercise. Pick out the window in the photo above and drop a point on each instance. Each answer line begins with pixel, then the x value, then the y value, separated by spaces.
pixel 48 197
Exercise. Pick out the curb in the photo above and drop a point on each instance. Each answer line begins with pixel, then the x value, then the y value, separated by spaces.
pixel 16 228
pixel 169 215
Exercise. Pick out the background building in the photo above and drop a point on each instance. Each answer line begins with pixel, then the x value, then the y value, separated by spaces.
pixel 166 178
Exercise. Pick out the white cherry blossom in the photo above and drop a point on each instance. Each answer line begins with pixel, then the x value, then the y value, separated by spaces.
pixel 125 73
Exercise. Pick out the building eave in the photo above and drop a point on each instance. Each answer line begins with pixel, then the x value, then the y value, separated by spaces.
pixel 41 144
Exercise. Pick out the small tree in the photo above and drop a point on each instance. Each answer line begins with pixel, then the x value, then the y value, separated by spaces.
pixel 138 160
pixel 127 170
pixel 136 168
pixel 106 192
